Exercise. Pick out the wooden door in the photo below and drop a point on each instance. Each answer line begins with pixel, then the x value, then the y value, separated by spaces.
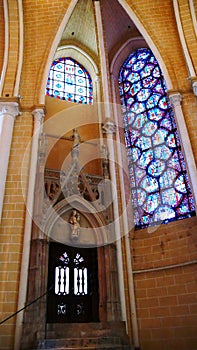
pixel 73 276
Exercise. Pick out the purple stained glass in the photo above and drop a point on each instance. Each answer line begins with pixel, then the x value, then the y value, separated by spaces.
pixel 69 81
pixel 160 186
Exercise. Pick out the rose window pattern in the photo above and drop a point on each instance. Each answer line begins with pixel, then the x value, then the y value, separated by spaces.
pixel 68 80
pixel 159 181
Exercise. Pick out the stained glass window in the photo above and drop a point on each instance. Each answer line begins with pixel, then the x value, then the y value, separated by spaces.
pixel 68 80
pixel 159 181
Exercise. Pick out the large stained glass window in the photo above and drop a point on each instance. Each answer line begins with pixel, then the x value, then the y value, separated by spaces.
pixel 68 80
pixel 159 182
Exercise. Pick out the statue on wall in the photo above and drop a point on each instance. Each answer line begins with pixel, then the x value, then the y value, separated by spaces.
pixel 75 222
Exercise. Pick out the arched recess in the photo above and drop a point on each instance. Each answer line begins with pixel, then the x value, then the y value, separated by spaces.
pixel 56 41
pixel 94 227
pixel 83 58
pixel 174 97
pixel 93 234
pixel 148 40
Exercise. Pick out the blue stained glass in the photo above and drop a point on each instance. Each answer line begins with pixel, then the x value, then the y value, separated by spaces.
pixel 143 94
pixel 160 185
pixel 171 141
pixel 140 173
pixel 163 103
pixel 56 93
pixel 155 114
pixel 156 72
pixel 127 87
pixel 138 66
pixel 58 86
pixel 162 152
pixel 135 88
pixel 149 82
pixel 147 70
pixel 145 158
pixel 158 88
pixel 156 168
pixel 59 66
pixel 138 107
pixel 130 101
pixel 152 102
pixel 152 202
pixel 180 184
pixel 59 75
pixel 130 118
pixel 141 196
pixel 135 153
pixel 159 137
pixel 171 197
pixel 150 184
pixel 164 213
pixel 140 120
pixel 68 80
pixel 143 143
pixel 167 178
pixel 133 77
pixel 149 128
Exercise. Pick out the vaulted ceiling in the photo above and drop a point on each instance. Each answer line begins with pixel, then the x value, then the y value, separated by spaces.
pixel 81 27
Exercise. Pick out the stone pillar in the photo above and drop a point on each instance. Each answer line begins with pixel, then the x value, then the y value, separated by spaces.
pixel 38 115
pixel 8 112
pixel 175 100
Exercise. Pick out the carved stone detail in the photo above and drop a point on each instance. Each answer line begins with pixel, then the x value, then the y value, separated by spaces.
pixel 9 108
pixel 75 224
pixel 194 87
pixel 38 115
pixel 175 99
pixel 109 126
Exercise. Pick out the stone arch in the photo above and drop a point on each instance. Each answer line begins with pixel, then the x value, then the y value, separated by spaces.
pixel 94 230
pixel 148 40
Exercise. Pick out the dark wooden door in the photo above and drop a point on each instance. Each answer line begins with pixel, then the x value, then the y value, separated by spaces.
pixel 73 276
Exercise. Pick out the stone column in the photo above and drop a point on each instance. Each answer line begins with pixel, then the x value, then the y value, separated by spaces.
pixel 8 112
pixel 38 115
pixel 175 100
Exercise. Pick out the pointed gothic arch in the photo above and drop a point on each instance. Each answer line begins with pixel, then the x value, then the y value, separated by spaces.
pixel 159 182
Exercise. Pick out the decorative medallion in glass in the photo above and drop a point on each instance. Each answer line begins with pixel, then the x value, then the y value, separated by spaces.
pixel 160 186
pixel 68 80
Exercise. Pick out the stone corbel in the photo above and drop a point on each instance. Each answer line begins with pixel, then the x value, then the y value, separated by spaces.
pixel 109 126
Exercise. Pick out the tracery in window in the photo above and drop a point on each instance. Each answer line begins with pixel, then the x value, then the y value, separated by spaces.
pixel 159 181
pixel 68 80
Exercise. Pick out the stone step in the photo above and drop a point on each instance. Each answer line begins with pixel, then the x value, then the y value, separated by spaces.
pixel 78 330
pixel 95 347
pixel 79 342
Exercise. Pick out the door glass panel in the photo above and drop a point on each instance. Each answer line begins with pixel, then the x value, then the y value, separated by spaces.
pixel 73 274
pixel 80 281
pixel 62 280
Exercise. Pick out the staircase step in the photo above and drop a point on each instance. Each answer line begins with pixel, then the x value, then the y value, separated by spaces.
pixel 83 342
pixel 95 347
pixel 80 336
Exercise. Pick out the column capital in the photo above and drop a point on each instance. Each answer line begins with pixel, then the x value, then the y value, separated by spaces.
pixel 9 108
pixel 194 87
pixel 109 126
pixel 175 98
pixel 38 115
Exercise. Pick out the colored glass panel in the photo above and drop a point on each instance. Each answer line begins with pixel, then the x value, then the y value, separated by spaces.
pixel 68 80
pixel 160 186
